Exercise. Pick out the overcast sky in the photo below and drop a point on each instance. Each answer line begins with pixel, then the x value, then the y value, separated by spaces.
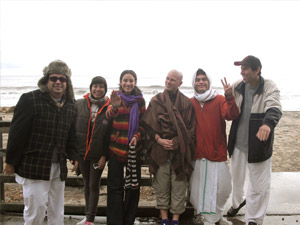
pixel 150 37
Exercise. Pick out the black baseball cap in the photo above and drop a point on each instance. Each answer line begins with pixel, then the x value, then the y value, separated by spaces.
pixel 249 60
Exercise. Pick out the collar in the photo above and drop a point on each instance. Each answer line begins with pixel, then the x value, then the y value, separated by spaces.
pixel 240 88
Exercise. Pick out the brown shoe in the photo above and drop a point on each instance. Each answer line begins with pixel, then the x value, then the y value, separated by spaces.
pixel 232 212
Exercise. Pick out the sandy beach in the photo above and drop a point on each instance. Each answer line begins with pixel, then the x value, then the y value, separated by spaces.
pixel 287 143
pixel 285 158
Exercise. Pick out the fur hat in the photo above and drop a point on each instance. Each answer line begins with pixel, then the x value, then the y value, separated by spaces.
pixel 57 67
pixel 99 80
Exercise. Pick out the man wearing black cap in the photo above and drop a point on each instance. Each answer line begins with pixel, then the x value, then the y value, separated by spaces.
pixel 251 139
pixel 42 136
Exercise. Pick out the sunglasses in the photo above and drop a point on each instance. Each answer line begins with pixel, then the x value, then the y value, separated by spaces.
pixel 61 79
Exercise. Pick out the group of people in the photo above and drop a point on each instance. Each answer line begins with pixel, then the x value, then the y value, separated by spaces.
pixel 186 145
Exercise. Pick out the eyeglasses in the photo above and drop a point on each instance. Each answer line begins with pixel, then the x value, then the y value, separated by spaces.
pixel 61 79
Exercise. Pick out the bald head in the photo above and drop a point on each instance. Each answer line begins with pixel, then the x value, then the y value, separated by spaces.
pixel 173 81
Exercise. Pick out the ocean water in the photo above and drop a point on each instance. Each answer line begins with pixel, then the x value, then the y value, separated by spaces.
pixel 12 88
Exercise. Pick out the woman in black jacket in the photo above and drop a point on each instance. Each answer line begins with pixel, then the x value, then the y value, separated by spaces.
pixel 92 130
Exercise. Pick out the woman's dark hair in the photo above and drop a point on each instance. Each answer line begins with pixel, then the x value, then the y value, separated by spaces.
pixel 98 80
pixel 136 90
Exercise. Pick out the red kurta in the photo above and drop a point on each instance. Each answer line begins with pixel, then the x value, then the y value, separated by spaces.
pixel 211 142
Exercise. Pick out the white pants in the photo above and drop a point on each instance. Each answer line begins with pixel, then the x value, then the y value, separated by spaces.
pixel 224 189
pixel 214 181
pixel 41 196
pixel 258 192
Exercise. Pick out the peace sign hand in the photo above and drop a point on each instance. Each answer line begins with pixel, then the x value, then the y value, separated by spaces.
pixel 227 88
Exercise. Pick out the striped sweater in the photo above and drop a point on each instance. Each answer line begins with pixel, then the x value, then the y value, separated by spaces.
pixel 120 125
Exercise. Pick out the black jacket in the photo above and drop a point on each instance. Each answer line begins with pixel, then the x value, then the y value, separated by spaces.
pixel 37 128
pixel 92 138
pixel 266 109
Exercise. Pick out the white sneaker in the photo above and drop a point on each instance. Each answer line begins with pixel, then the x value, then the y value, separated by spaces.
pixel 199 219
pixel 82 222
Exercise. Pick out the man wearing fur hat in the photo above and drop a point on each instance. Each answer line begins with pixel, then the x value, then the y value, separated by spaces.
pixel 42 136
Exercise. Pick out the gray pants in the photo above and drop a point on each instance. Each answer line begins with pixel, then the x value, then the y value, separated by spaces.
pixel 91 180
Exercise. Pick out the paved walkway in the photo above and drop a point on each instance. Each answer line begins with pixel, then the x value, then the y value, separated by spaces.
pixel 284 206
pixel 239 220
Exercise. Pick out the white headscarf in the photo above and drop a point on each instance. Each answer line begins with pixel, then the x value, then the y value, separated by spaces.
pixel 207 95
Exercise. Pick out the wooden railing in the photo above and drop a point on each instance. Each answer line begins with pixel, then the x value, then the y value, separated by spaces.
pixel 15 207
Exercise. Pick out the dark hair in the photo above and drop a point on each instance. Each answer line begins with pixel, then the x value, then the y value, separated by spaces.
pixel 99 80
pixel 255 67
pixel 200 71
pixel 136 90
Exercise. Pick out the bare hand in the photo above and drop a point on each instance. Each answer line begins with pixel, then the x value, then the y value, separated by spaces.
pixel 133 141
pixel 227 87
pixel 9 169
pixel 166 144
pixel 263 132
pixel 115 99
pixel 102 162
pixel 74 166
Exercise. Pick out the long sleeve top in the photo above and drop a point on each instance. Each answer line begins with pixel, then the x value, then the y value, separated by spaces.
pixel 210 125
pixel 120 125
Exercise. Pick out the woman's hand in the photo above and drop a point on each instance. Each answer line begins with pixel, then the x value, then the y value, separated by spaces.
pixel 74 166
pixel 133 141
pixel 115 99
pixel 101 163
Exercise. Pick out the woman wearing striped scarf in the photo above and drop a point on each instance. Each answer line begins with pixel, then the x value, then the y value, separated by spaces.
pixel 125 142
